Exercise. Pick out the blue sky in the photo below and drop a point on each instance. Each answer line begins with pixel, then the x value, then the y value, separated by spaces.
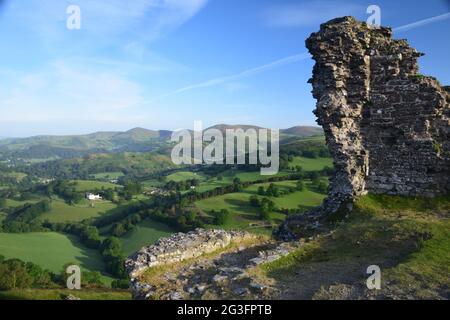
pixel 162 64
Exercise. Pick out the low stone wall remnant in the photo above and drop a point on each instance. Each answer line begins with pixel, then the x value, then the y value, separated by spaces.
pixel 180 247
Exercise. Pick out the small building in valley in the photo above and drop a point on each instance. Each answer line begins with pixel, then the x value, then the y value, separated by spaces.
pixel 93 197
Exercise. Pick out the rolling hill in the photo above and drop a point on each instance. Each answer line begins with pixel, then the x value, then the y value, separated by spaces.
pixel 100 140
pixel 298 131
pixel 223 127
pixel 303 131
pixel 134 140
pixel 42 147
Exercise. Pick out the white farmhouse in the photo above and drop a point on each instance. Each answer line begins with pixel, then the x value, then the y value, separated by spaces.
pixel 93 197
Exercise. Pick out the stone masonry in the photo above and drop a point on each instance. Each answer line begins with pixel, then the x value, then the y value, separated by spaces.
pixel 180 247
pixel 386 125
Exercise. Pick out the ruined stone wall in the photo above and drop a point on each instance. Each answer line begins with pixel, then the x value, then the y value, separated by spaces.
pixel 180 247
pixel 387 126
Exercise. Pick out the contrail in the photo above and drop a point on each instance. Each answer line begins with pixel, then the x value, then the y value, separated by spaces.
pixel 246 73
pixel 241 75
pixel 422 22
pixel 286 61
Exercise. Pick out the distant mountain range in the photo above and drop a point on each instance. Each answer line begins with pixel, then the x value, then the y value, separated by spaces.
pixel 134 140
pixel 298 131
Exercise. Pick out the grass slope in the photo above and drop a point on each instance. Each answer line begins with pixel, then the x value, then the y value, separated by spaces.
pixel 183 176
pixel 19 176
pixel 108 175
pixel 10 203
pixel 49 250
pixel 91 185
pixel 243 214
pixel 229 176
pixel 408 238
pixel 309 164
pixel 143 163
pixel 60 294
pixel 146 233
pixel 62 212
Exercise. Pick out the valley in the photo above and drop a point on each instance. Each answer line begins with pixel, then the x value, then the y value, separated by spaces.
pixel 47 219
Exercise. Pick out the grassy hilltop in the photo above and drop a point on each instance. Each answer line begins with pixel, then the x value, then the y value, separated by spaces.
pixel 409 239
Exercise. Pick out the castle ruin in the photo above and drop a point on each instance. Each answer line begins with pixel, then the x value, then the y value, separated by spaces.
pixel 386 125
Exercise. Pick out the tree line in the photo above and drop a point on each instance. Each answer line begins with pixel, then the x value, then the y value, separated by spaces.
pixel 25 218
pixel 17 274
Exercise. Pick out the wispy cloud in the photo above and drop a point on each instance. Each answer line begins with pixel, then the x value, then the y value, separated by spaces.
pixel 310 13
pixel 83 82
pixel 64 91
pixel 153 63
pixel 102 21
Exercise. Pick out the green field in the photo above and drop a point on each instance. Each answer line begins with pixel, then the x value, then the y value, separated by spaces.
pixel 19 175
pixel 147 233
pixel 60 294
pixel 305 199
pixel 108 175
pixel 10 203
pixel 243 214
pixel 229 176
pixel 49 250
pixel 90 185
pixel 184 175
pixel 62 212
pixel 212 183
pixel 143 163
pixel 39 160
pixel 152 183
pixel 309 164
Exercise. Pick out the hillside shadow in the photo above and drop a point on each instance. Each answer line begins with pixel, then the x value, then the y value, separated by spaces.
pixel 108 217
pixel 242 208
pixel 90 259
